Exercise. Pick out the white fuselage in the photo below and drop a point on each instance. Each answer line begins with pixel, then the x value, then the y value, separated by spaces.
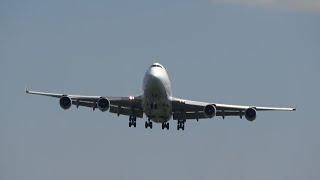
pixel 157 95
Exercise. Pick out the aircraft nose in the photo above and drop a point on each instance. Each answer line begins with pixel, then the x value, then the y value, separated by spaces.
pixel 153 72
pixel 155 75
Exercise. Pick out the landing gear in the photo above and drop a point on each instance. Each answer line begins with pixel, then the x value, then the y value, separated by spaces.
pixel 148 124
pixel 132 121
pixel 180 124
pixel 165 126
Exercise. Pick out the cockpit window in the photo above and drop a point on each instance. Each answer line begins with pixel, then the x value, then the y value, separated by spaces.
pixel 156 65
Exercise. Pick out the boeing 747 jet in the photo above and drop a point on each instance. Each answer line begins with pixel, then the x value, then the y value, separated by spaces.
pixel 158 104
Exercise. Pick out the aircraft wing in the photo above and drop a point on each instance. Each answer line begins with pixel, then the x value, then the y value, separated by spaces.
pixel 129 105
pixel 187 109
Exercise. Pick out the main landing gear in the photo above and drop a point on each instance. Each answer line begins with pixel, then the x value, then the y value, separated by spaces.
pixel 165 126
pixel 132 121
pixel 180 124
pixel 148 124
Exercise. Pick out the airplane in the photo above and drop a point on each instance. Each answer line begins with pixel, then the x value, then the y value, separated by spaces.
pixel 158 104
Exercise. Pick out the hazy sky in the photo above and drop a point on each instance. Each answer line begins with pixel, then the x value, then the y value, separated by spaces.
pixel 214 50
pixel 292 5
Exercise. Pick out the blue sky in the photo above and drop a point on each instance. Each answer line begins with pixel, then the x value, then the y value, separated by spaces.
pixel 249 52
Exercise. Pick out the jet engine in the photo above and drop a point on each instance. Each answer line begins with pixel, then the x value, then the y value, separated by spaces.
pixel 103 104
pixel 250 114
pixel 65 102
pixel 210 110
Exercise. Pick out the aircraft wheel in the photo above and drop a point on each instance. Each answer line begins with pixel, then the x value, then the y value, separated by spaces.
pixel 163 125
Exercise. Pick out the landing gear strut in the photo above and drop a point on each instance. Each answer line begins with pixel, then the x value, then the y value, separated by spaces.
pixel 132 121
pixel 165 126
pixel 148 124
pixel 180 124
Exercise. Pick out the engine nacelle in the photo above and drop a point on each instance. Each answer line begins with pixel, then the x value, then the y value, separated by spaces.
pixel 250 114
pixel 210 111
pixel 65 102
pixel 103 104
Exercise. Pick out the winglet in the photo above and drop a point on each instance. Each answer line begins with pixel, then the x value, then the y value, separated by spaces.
pixel 27 91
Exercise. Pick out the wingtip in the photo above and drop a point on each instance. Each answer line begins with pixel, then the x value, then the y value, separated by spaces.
pixel 27 91
pixel 294 109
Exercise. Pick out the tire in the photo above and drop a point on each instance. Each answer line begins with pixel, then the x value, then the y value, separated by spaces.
pixel 150 125
pixel 167 126
pixel 146 125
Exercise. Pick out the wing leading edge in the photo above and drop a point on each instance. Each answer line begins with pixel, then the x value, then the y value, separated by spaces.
pixel 187 109
pixel 128 106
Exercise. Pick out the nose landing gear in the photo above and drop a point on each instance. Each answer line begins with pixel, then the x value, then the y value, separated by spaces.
pixel 148 124
pixel 180 124
pixel 165 126
pixel 132 121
